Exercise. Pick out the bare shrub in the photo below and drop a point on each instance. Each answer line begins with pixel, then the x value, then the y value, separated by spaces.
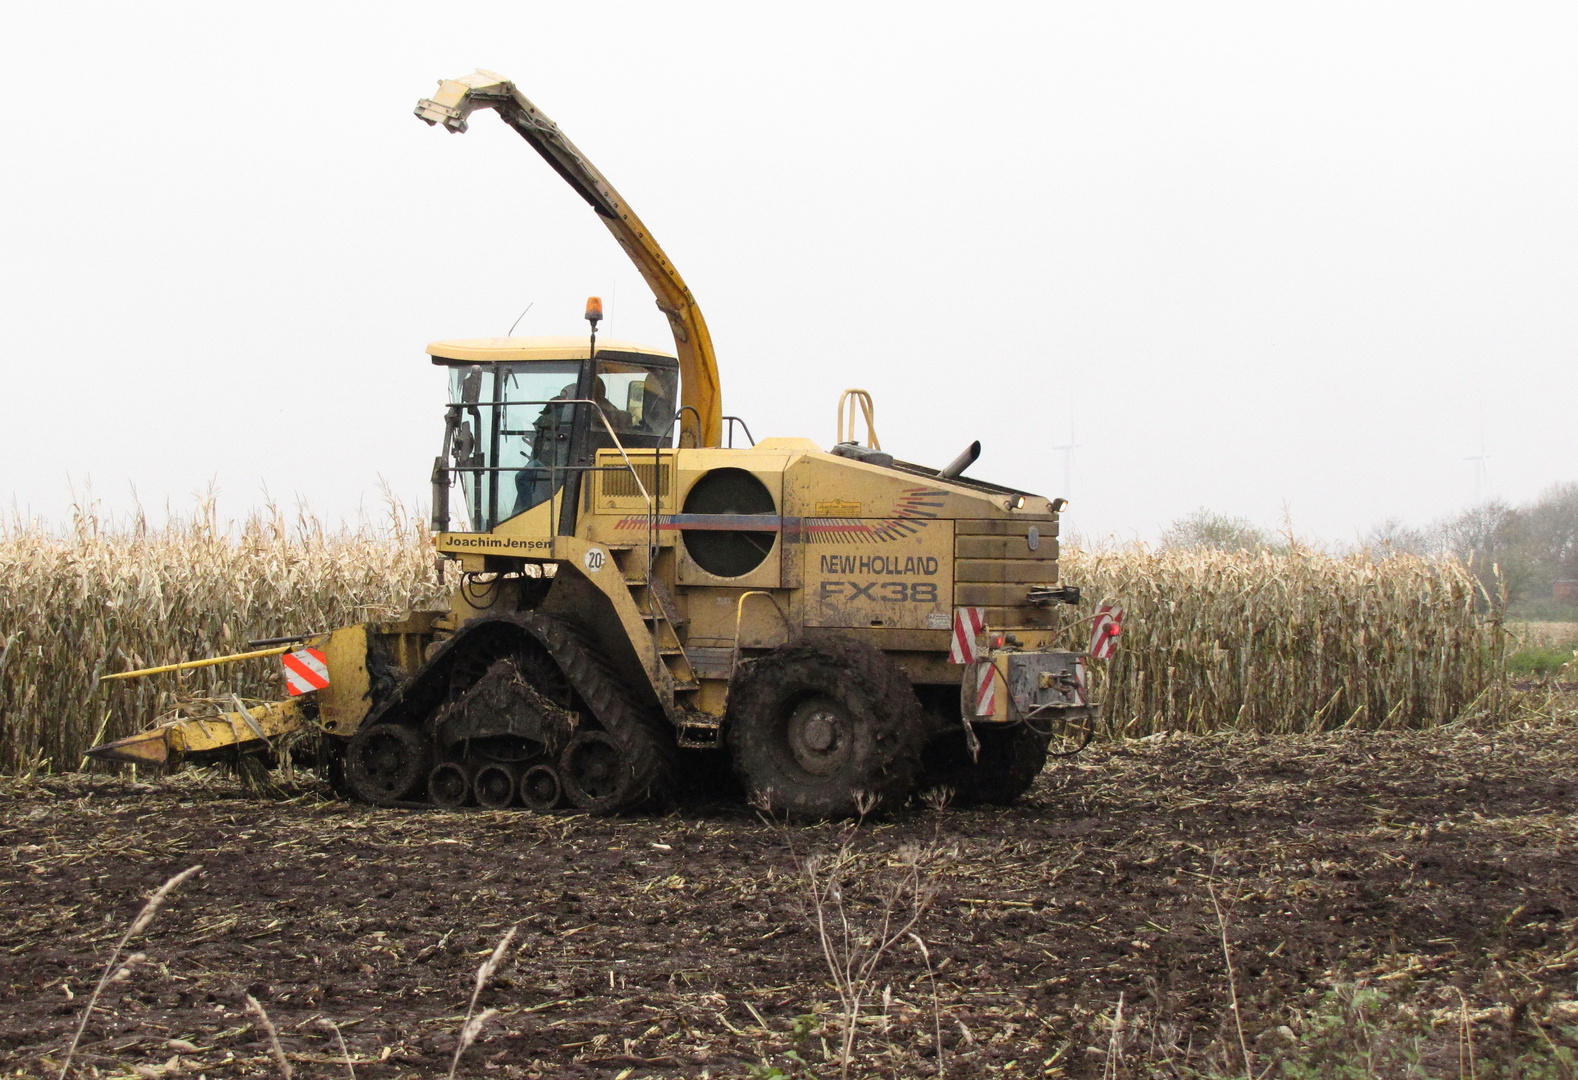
pixel 862 906
pixel 114 971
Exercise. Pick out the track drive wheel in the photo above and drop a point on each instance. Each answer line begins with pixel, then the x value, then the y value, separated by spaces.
pixel 385 763
pixel 540 788
pixel 816 727
pixel 595 772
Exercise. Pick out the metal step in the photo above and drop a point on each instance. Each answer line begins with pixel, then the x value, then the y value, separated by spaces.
pixel 700 734
pixel 665 603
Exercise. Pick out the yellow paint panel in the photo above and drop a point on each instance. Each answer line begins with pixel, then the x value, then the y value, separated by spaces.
pixel 879 577
pixel 1006 570
pixel 980 594
pixel 1003 547
pixel 491 350
pixel 343 703
pixel 266 721
pixel 1019 526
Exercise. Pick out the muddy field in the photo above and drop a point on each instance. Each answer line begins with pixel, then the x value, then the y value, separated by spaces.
pixel 1074 934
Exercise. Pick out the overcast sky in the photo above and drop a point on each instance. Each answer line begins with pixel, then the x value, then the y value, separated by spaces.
pixel 1246 256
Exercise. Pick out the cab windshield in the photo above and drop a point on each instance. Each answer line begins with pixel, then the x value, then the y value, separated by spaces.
pixel 514 427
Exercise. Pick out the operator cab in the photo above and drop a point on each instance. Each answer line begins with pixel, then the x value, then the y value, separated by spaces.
pixel 526 417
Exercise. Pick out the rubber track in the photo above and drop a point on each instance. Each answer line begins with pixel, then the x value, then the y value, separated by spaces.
pixel 646 738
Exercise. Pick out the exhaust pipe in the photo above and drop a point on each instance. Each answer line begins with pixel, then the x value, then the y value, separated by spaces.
pixel 957 466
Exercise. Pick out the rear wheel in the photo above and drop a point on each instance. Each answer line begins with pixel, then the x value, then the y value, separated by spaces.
pixel 825 728
pixel 385 763
pixel 1011 759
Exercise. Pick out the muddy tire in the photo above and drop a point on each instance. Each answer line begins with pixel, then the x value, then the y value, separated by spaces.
pixel 386 763
pixel 815 727
pixel 1011 759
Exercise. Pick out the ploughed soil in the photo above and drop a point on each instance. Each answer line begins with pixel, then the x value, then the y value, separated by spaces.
pixel 1439 869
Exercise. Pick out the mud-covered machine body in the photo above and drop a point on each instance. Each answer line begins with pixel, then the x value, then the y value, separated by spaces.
pixel 640 607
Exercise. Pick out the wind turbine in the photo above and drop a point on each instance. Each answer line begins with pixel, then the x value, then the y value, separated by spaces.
pixel 1068 449
pixel 1479 460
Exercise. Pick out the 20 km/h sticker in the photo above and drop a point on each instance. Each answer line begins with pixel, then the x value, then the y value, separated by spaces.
pixel 305 670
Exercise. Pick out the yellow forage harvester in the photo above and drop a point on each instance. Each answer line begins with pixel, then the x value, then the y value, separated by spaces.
pixel 646 590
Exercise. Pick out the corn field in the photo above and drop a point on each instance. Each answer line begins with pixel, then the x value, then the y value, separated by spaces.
pixel 1257 641
pixel 1298 640
pixel 99 599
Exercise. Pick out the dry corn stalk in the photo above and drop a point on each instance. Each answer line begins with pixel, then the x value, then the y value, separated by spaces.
pixel 1288 641
pixel 1270 642
pixel 98 599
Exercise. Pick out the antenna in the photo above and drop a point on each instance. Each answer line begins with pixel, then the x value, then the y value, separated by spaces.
pixel 518 319
pixel 1068 449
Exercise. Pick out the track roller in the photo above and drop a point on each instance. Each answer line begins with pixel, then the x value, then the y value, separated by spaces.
pixel 449 785
pixel 495 785
pixel 385 763
pixel 540 788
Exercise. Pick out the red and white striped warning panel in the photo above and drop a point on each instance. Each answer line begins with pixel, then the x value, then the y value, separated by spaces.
pixel 305 669
pixel 1104 631
pixel 986 689
pixel 968 622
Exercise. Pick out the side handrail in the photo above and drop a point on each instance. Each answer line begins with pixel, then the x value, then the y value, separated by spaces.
pixel 739 617
pixel 731 421
pixel 679 418
pixel 863 399
pixel 653 512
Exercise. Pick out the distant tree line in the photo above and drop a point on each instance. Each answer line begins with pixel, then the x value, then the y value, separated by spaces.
pixel 1522 549
pixel 1532 546
pixel 1220 532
